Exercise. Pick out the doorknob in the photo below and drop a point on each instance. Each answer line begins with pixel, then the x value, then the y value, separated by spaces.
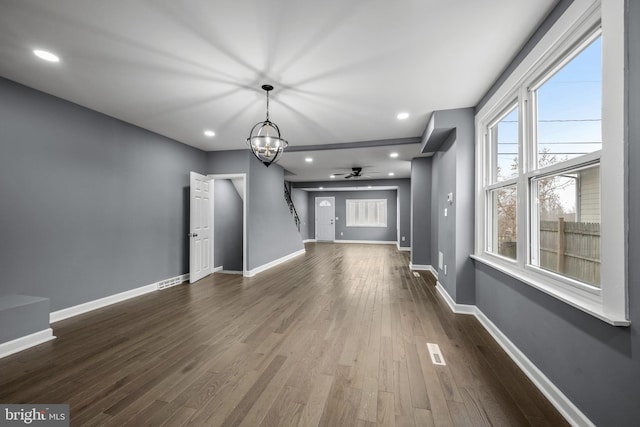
pixel 192 235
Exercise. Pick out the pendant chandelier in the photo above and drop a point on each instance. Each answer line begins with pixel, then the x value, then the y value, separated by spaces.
pixel 265 140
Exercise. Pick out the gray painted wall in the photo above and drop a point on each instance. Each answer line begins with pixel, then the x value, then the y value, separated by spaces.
pixel 22 315
pixel 227 226
pixel 404 197
pixel 596 365
pixel 444 167
pixel 228 162
pixel 271 229
pixel 385 234
pixel 436 171
pixel 300 200
pixel 421 212
pixel 91 206
pixel 454 172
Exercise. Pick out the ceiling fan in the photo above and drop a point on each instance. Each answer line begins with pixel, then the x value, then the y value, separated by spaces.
pixel 355 173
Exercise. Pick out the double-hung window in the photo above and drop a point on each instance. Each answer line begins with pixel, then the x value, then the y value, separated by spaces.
pixel 550 184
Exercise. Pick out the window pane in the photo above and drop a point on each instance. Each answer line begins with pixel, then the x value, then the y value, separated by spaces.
pixel 569 224
pixel 503 240
pixel 504 142
pixel 570 109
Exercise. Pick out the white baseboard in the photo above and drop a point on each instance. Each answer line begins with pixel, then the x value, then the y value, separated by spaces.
pixel 455 307
pixel 230 271
pixel 272 264
pixel 561 402
pixel 420 267
pixel 76 310
pixel 216 269
pixel 309 241
pixel 23 343
pixel 369 242
pixel 413 266
pixel 403 248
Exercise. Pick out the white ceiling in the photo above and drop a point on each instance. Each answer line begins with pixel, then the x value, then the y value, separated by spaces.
pixel 352 188
pixel 375 162
pixel 342 70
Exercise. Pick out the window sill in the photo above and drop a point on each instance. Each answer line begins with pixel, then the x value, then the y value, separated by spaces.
pixel 594 308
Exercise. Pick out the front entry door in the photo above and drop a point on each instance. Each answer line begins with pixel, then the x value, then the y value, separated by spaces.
pixel 325 219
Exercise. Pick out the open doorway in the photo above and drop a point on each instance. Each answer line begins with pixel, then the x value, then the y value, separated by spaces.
pixel 229 219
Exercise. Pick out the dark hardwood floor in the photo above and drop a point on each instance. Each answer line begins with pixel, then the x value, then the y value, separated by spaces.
pixel 336 337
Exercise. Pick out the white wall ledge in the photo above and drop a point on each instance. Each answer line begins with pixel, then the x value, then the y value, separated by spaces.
pixel 590 307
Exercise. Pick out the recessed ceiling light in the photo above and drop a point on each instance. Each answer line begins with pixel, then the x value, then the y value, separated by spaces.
pixel 393 155
pixel 308 160
pixel 391 174
pixel 209 133
pixel 322 188
pixel 332 176
pixel 402 116
pixel 46 55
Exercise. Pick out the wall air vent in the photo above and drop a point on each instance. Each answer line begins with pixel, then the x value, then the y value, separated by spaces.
pixel 164 284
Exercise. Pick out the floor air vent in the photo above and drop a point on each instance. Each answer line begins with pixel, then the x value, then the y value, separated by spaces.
pixel 415 273
pixel 436 354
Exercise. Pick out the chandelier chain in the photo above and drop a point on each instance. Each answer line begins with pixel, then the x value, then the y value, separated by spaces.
pixel 267 105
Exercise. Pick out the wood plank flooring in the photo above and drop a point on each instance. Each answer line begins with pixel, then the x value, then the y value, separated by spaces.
pixel 336 337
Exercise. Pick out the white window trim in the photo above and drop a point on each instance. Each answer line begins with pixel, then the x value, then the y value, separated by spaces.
pixel 610 303
pixel 386 213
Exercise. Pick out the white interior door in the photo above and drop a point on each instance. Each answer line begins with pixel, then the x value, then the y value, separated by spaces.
pixel 200 227
pixel 325 219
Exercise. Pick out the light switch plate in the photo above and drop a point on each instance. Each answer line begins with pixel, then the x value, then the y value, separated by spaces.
pixel 445 211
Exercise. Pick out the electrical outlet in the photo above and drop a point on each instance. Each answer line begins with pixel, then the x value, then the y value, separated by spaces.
pixel 403 238
pixel 440 260
pixel 450 198
pixel 337 218
pixel 341 233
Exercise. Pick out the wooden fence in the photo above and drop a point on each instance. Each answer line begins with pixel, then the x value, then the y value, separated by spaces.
pixel 571 248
